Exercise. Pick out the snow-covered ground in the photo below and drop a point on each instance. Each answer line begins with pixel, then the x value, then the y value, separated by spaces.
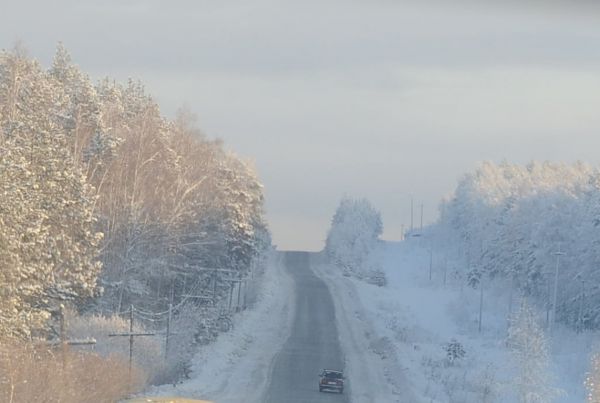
pixel 395 336
pixel 235 368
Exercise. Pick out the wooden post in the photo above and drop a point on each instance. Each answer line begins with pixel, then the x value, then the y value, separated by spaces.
pixel 168 331
pixel 480 302
pixel 245 293
pixel 130 340
pixel 63 337
pixel 214 293
pixel 131 336
pixel 64 341
pixel 230 294
pixel 237 308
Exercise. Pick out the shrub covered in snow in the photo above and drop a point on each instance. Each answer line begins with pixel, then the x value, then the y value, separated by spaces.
pixel 454 351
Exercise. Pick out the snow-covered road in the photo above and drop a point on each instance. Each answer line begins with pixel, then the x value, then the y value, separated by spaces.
pixel 374 375
pixel 308 318
pixel 313 343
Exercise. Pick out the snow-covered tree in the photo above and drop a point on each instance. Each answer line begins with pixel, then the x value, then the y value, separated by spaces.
pixel 95 174
pixel 592 380
pixel 354 232
pixel 510 220
pixel 51 244
pixel 527 344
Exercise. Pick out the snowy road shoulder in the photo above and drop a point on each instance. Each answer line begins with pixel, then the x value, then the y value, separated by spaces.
pixel 368 366
pixel 236 366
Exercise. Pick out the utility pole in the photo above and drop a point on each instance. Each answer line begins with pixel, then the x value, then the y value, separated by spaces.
pixel 510 295
pixel 169 316
pixel 64 341
pixel 421 217
pixel 548 305
pixel 510 301
pixel 131 336
pixel 430 262
pixel 230 295
pixel 231 290
pixel 412 215
pixel 214 291
pixel 237 308
pixel 445 267
pixel 168 331
pixel 558 254
pixel 245 293
pixel 480 302
pixel 581 304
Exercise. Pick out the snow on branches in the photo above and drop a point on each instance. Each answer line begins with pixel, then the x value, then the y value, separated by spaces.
pixel 513 222
pixel 354 233
pixel 50 245
pixel 527 344
pixel 100 193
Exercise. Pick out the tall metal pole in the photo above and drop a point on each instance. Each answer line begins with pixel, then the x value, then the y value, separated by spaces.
pixel 421 217
pixel 480 302
pixel 581 303
pixel 548 306
pixel 510 296
pixel 558 255
pixel 412 215
pixel 430 263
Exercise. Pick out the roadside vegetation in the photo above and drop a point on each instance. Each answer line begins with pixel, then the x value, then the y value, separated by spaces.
pixel 113 216
pixel 352 239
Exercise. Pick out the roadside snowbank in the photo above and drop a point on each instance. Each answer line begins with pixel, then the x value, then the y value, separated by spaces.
pixel 235 368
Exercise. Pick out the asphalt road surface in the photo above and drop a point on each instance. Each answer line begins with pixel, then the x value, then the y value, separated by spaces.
pixel 313 343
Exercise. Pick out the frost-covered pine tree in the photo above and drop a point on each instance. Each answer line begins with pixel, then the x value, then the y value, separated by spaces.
pixel 50 246
pixel 592 380
pixel 527 345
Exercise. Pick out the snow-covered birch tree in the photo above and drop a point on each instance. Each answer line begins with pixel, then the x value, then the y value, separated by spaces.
pixel 353 235
pixel 527 344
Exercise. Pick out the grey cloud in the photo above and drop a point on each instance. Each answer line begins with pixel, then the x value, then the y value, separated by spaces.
pixel 270 37
pixel 382 98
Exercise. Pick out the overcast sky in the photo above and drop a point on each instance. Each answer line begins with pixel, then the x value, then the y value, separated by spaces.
pixel 381 99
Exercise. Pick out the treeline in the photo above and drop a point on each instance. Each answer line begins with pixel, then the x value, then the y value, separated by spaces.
pixel 513 222
pixel 106 203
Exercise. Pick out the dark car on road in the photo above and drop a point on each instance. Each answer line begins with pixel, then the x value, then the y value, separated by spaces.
pixel 331 380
